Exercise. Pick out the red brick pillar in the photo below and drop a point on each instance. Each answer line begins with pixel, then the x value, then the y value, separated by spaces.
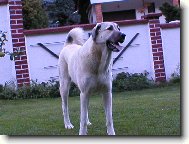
pixel 156 45
pixel 176 2
pixel 18 41
pixel 98 11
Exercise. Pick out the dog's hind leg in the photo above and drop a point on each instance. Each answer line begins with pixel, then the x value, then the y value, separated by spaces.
pixel 65 82
pixel 64 91
pixel 107 98
pixel 88 122
pixel 84 97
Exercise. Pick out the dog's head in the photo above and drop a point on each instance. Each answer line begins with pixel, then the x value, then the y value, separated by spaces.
pixel 108 33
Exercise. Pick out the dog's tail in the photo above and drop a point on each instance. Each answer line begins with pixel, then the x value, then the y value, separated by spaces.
pixel 75 36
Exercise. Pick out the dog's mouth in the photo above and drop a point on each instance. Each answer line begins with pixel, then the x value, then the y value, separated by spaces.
pixel 114 46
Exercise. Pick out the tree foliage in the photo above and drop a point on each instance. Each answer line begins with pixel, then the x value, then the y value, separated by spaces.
pixel 62 11
pixel 170 12
pixel 34 16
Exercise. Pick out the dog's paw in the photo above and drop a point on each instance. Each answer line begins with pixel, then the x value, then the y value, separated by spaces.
pixel 112 132
pixel 89 123
pixel 83 132
pixel 69 126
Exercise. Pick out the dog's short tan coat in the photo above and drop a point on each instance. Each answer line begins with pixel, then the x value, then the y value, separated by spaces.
pixel 88 65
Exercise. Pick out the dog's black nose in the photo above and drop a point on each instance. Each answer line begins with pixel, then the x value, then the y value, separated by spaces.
pixel 123 36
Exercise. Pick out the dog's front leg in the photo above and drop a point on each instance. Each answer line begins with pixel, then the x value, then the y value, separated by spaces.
pixel 84 97
pixel 107 98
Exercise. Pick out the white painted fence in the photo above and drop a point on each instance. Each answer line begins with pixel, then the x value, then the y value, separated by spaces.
pixel 171 49
pixel 136 59
pixel 7 67
pixel 42 65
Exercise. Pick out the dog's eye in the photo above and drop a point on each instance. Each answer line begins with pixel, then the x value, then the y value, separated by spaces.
pixel 98 27
pixel 118 28
pixel 110 27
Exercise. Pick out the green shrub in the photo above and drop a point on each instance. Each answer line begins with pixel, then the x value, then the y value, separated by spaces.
pixel 36 90
pixel 54 89
pixel 175 77
pixel 175 80
pixel 123 82
pixel 1 88
pixel 8 93
pixel 127 81
pixel 74 91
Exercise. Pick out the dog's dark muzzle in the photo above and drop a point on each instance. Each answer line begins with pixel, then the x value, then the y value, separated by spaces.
pixel 114 46
pixel 122 37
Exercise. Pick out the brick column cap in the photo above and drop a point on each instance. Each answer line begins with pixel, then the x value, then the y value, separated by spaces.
pixel 176 2
pixel 151 16
pixel 3 2
pixel 98 11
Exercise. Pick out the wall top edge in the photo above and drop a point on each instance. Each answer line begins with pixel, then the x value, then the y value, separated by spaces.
pixel 84 26
pixel 170 25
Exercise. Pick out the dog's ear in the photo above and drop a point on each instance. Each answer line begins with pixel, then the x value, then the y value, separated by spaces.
pixel 95 31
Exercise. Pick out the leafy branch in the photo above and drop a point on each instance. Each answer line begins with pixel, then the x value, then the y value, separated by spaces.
pixel 3 38
pixel 16 53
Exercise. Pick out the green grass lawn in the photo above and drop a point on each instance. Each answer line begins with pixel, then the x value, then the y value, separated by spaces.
pixel 142 113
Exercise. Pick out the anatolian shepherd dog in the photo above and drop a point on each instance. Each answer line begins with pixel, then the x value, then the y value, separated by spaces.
pixel 88 65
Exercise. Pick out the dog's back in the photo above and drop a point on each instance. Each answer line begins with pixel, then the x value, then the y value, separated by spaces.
pixel 74 40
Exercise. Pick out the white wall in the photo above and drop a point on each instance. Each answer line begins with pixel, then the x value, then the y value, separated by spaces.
pixel 102 1
pixel 42 65
pixel 137 58
pixel 7 68
pixel 171 50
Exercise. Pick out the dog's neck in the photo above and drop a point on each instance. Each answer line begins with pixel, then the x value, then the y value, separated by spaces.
pixel 97 55
pixel 102 55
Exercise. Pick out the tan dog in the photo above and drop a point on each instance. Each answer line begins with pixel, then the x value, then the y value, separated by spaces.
pixel 89 66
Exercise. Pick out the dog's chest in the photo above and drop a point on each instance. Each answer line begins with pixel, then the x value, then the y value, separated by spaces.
pixel 102 82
